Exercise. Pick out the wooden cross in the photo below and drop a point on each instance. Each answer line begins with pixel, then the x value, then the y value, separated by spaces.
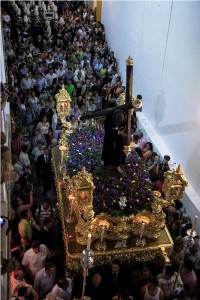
pixel 127 106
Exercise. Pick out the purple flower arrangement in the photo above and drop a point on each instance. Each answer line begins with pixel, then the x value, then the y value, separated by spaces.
pixel 85 148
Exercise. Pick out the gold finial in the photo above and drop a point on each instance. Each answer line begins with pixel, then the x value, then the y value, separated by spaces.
pixel 129 61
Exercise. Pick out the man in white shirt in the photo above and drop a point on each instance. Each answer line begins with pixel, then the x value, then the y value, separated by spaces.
pixel 85 62
pixel 170 283
pixel 79 80
pixel 34 259
pixel 24 158
pixel 38 150
pixel 80 71
pixel 26 83
pixel 50 77
pixel 6 18
pixel 60 72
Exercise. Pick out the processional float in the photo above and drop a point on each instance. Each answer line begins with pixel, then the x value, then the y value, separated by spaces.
pixel 81 226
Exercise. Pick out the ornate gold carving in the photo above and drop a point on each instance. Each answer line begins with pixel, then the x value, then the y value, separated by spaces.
pixel 127 150
pixel 137 103
pixel 129 61
pixel 83 181
pixel 165 255
pixel 63 107
pixel 122 98
pixel 174 185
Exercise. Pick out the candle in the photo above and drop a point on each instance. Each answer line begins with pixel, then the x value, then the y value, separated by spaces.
pixel 142 231
pixel 102 233
pixel 89 241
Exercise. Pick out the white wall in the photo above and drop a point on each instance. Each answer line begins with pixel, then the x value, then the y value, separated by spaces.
pixel 163 37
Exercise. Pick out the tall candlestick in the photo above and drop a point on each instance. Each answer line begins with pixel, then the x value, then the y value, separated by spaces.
pixel 142 231
pixel 102 233
pixel 89 241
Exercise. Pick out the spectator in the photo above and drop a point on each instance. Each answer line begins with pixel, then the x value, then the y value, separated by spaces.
pixel 44 169
pixel 34 259
pixel 48 112
pixel 75 112
pixel 69 87
pixel 97 100
pixel 60 289
pixel 28 119
pixel 171 215
pixel 44 94
pixel 19 168
pixel 174 229
pixel 94 288
pixel 24 157
pixel 147 151
pixel 170 283
pixel 6 18
pixel 164 167
pixel 50 77
pixel 52 103
pixel 153 167
pixel 26 227
pixel 193 253
pixel 69 74
pixel 16 144
pixel 18 204
pixel 114 278
pixel 177 254
pixel 91 107
pixel 74 122
pixel 189 277
pixel 33 101
pixel 79 80
pixel 152 291
pixel 26 83
pixel 16 279
pixel 43 128
pixel 138 279
pixel 60 72
pixel 46 235
pixel 45 279
pixel 38 137
pixel 45 211
pixel 24 292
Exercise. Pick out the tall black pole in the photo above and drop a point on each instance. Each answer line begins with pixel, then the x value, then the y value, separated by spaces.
pixel 129 84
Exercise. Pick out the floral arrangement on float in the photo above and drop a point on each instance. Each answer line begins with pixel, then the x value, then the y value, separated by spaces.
pixel 85 147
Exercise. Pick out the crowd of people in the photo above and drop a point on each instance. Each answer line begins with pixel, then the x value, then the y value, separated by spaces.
pixel 42 56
